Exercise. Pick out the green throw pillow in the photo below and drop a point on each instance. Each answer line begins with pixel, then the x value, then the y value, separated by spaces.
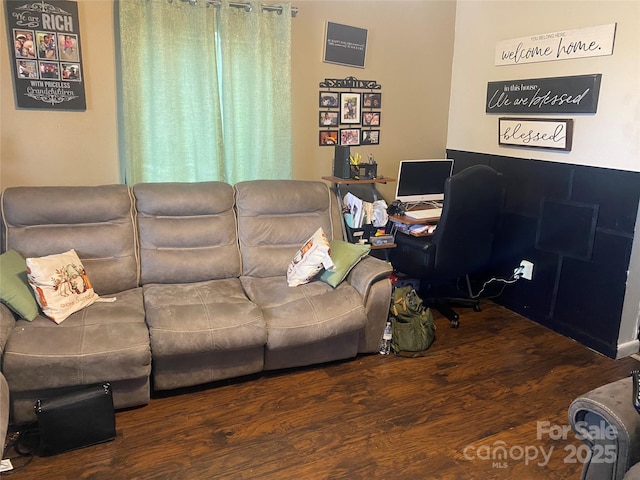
pixel 345 256
pixel 15 291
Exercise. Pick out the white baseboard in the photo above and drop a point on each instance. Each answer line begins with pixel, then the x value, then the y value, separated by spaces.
pixel 628 348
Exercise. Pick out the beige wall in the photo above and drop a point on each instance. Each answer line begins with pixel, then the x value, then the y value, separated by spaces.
pixel 610 138
pixel 40 147
pixel 409 53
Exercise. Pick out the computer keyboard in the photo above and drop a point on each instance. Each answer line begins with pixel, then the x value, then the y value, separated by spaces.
pixel 429 213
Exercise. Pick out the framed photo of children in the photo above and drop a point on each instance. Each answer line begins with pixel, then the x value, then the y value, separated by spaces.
pixel 46 58
pixel 328 138
pixel 328 119
pixel 370 137
pixel 371 119
pixel 350 105
pixel 328 100
pixel 349 136
pixel 371 100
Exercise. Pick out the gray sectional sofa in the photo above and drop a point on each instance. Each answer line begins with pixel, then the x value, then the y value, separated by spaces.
pixel 198 271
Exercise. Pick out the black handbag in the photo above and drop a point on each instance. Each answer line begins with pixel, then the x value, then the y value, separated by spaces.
pixel 76 419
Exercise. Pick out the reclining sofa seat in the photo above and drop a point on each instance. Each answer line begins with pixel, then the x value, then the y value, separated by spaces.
pixel 310 323
pixel 202 326
pixel 213 269
pixel 103 342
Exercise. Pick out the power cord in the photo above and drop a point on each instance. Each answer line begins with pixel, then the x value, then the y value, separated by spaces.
pixel 517 274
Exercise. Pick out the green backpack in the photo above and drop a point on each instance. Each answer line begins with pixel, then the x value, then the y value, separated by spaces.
pixel 413 327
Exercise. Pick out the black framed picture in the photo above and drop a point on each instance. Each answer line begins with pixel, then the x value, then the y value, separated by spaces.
pixel 370 137
pixel 371 100
pixel 350 107
pixel 329 100
pixel 345 45
pixel 371 119
pixel 328 119
pixel 349 136
pixel 328 138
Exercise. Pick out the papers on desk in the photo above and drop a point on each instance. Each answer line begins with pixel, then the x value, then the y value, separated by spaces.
pixel 354 210
pixel 357 212
pixel 420 230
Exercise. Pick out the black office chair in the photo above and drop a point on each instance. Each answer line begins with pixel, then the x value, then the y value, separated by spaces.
pixel 462 241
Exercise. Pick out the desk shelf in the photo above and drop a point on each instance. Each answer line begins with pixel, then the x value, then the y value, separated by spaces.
pixel 337 181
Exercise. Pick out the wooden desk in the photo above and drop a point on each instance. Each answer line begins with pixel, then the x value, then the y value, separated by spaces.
pixel 337 181
pixel 414 221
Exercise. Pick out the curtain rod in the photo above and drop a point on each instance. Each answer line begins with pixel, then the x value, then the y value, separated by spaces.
pixel 246 6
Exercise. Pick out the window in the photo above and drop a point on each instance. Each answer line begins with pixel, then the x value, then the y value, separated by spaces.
pixel 204 91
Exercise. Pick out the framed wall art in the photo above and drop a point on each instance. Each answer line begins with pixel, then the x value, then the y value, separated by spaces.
pixel 328 138
pixel 328 119
pixel 46 54
pixel 350 107
pixel 371 119
pixel 371 100
pixel 345 45
pixel 350 136
pixel 370 137
pixel 536 133
pixel 329 100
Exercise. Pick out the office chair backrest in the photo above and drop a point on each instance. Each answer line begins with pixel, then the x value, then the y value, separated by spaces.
pixel 470 215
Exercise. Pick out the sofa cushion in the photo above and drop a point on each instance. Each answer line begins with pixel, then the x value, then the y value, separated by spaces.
pixel 187 232
pixel 309 260
pixel 305 314
pixel 345 256
pixel 202 317
pixel 14 287
pixel 61 284
pixel 97 222
pixel 276 217
pixel 103 342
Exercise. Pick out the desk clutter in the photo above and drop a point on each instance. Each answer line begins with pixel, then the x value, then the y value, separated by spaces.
pixel 365 220
pixel 351 166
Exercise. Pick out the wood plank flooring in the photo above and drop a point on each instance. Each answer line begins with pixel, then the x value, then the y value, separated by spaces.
pixel 485 385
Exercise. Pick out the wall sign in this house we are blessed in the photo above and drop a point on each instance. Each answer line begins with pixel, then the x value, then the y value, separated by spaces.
pixel 575 94
pixel 46 60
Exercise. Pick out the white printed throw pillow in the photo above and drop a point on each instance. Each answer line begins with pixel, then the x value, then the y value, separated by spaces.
pixel 60 284
pixel 310 260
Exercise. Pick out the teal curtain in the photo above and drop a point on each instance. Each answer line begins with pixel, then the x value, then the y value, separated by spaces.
pixel 205 91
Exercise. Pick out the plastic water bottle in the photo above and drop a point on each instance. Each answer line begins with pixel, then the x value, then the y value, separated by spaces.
pixel 385 345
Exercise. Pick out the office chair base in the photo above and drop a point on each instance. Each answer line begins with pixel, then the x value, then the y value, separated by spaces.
pixel 444 306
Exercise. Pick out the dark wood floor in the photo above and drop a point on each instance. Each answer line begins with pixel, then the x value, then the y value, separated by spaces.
pixel 486 385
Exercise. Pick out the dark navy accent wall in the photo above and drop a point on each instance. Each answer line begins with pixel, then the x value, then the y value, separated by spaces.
pixel 579 278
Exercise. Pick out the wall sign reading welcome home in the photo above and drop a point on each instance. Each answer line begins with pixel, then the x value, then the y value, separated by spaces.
pixel 576 94
pixel 584 42
pixel 45 45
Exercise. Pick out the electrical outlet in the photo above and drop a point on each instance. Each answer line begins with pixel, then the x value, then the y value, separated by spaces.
pixel 526 269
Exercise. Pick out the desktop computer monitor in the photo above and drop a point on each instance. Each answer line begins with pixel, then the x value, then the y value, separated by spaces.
pixel 422 180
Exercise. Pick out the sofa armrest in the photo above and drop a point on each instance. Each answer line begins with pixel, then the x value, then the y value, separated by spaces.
pixel 366 272
pixel 607 422
pixel 7 322
pixel 370 277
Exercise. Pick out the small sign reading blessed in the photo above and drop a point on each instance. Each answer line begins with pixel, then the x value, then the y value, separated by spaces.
pixel 536 133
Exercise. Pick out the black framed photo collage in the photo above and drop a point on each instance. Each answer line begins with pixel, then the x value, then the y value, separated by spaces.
pixel 349 118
